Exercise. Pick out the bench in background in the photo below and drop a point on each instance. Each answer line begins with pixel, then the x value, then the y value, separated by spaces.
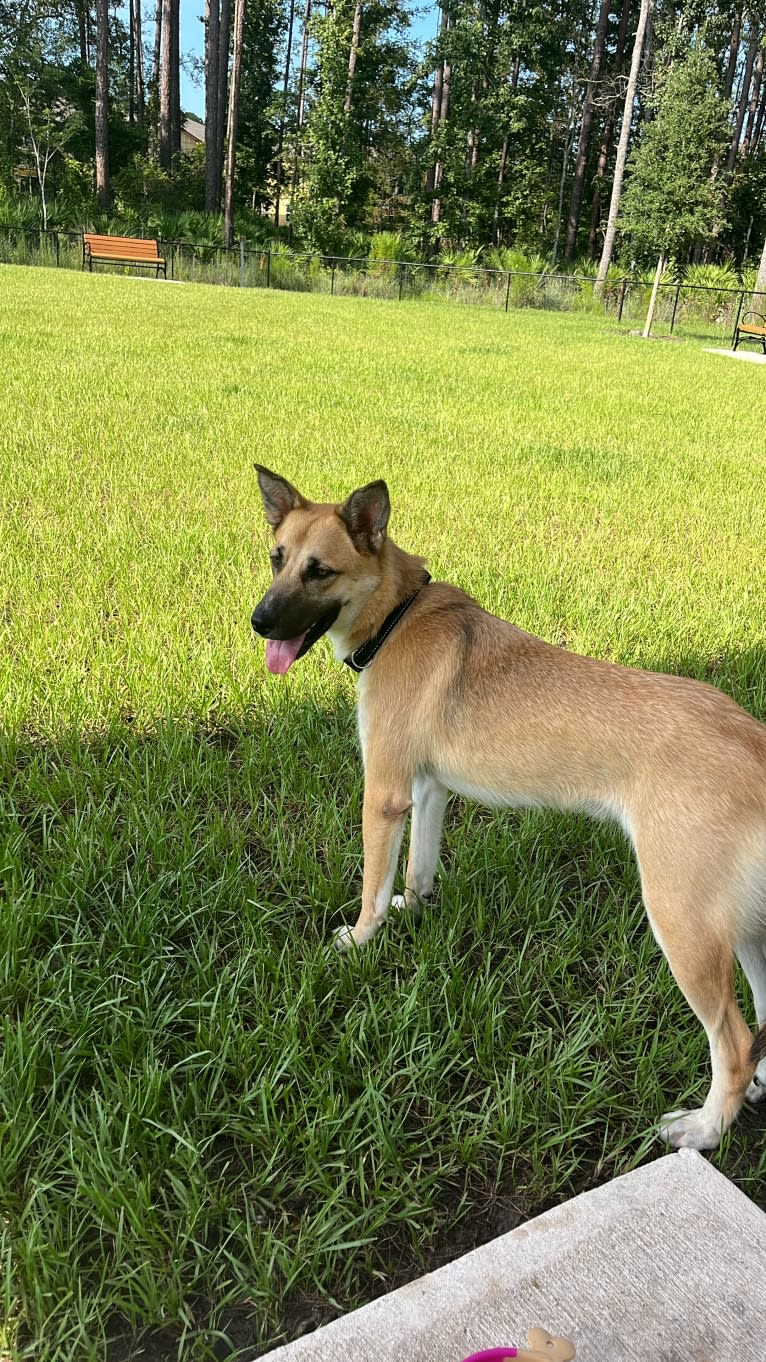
pixel 122 250
pixel 752 327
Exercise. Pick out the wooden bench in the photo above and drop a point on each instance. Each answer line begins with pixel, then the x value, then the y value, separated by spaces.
pixel 751 326
pixel 122 250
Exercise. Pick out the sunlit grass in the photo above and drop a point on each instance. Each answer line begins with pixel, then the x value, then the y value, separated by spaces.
pixel 210 1122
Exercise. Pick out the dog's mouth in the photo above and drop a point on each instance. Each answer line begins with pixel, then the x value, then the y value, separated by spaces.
pixel 282 652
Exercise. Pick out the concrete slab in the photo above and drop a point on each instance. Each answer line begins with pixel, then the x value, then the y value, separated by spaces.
pixel 750 355
pixel 666 1264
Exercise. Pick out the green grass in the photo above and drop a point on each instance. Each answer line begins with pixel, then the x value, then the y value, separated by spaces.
pixel 211 1126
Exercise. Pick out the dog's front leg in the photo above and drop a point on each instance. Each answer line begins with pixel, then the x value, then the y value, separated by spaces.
pixel 386 805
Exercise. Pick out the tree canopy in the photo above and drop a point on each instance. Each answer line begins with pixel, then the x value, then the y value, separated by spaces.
pixel 500 133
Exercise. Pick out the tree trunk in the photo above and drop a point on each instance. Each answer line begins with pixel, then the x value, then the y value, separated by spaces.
pixel 140 87
pixel 583 147
pixel 283 113
pixel 232 121
pixel 622 145
pixel 173 54
pixel 102 103
pixel 562 182
pixel 166 146
pixel 131 63
pixel 496 225
pixel 82 32
pixel 759 121
pixel 661 263
pixel 500 178
pixel 212 113
pixel 301 107
pixel 760 283
pixel 728 83
pixel 436 206
pixel 224 32
pixel 153 86
pixel 436 99
pixel 607 138
pixel 352 56
pixel 744 96
pixel 752 109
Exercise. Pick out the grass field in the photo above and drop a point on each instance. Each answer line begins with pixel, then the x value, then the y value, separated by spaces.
pixel 211 1127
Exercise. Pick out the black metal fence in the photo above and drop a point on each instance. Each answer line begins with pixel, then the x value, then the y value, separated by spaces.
pixel 690 310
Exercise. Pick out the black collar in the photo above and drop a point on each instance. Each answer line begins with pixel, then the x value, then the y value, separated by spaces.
pixel 363 655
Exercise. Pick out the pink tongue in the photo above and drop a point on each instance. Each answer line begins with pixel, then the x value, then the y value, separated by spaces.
pixel 281 653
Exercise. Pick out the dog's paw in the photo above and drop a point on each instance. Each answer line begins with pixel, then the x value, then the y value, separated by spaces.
pixel 689 1130
pixel 410 904
pixel 756 1091
pixel 343 940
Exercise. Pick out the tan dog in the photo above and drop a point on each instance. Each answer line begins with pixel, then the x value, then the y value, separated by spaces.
pixel 454 699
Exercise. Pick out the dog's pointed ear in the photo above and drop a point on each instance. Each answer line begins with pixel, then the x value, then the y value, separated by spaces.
pixel 279 496
pixel 365 516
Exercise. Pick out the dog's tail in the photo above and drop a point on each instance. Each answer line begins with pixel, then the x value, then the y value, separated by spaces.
pixel 758 1047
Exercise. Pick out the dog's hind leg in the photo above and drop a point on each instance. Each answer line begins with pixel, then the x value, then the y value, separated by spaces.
pixel 429 800
pixel 703 965
pixel 387 801
pixel 752 957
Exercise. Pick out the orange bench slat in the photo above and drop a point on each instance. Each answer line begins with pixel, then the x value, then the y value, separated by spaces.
pixel 122 248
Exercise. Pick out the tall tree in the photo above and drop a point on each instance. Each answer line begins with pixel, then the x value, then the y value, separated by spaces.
pixel 283 113
pixel 224 43
pixel 742 103
pixel 212 109
pixel 607 135
pixel 622 146
pixel 352 55
pixel 139 62
pixel 264 37
pixel 671 199
pixel 49 127
pixel 103 189
pixel 232 122
pixel 170 85
pixel 301 108
pixel 583 146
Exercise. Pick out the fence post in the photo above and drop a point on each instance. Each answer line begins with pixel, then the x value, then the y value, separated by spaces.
pixel 332 278
pixel 241 262
pixel 56 244
pixel 507 291
pixel 172 259
pixel 268 267
pixel 621 298
pixel 675 305
pixel 401 280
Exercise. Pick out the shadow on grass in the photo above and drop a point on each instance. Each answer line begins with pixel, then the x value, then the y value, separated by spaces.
pixel 217 1129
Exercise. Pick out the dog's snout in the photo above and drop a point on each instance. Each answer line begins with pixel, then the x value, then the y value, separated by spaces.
pixel 261 619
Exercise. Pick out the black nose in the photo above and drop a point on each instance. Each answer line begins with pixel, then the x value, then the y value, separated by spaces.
pixel 261 620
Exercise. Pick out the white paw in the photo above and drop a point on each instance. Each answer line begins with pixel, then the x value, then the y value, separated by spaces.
pixel 757 1090
pixel 413 905
pixel 343 940
pixel 690 1130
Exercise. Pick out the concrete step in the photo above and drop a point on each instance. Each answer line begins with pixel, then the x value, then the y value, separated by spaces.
pixel 665 1264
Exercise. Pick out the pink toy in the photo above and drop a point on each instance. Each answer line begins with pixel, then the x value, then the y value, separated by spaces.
pixel 541 1347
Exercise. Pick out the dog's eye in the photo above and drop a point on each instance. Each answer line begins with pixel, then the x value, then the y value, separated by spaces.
pixel 276 559
pixel 317 572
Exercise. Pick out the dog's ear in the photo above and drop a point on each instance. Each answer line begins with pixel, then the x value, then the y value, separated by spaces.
pixel 279 497
pixel 365 516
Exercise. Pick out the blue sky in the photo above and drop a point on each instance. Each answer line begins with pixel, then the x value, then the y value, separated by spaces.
pixel 192 42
